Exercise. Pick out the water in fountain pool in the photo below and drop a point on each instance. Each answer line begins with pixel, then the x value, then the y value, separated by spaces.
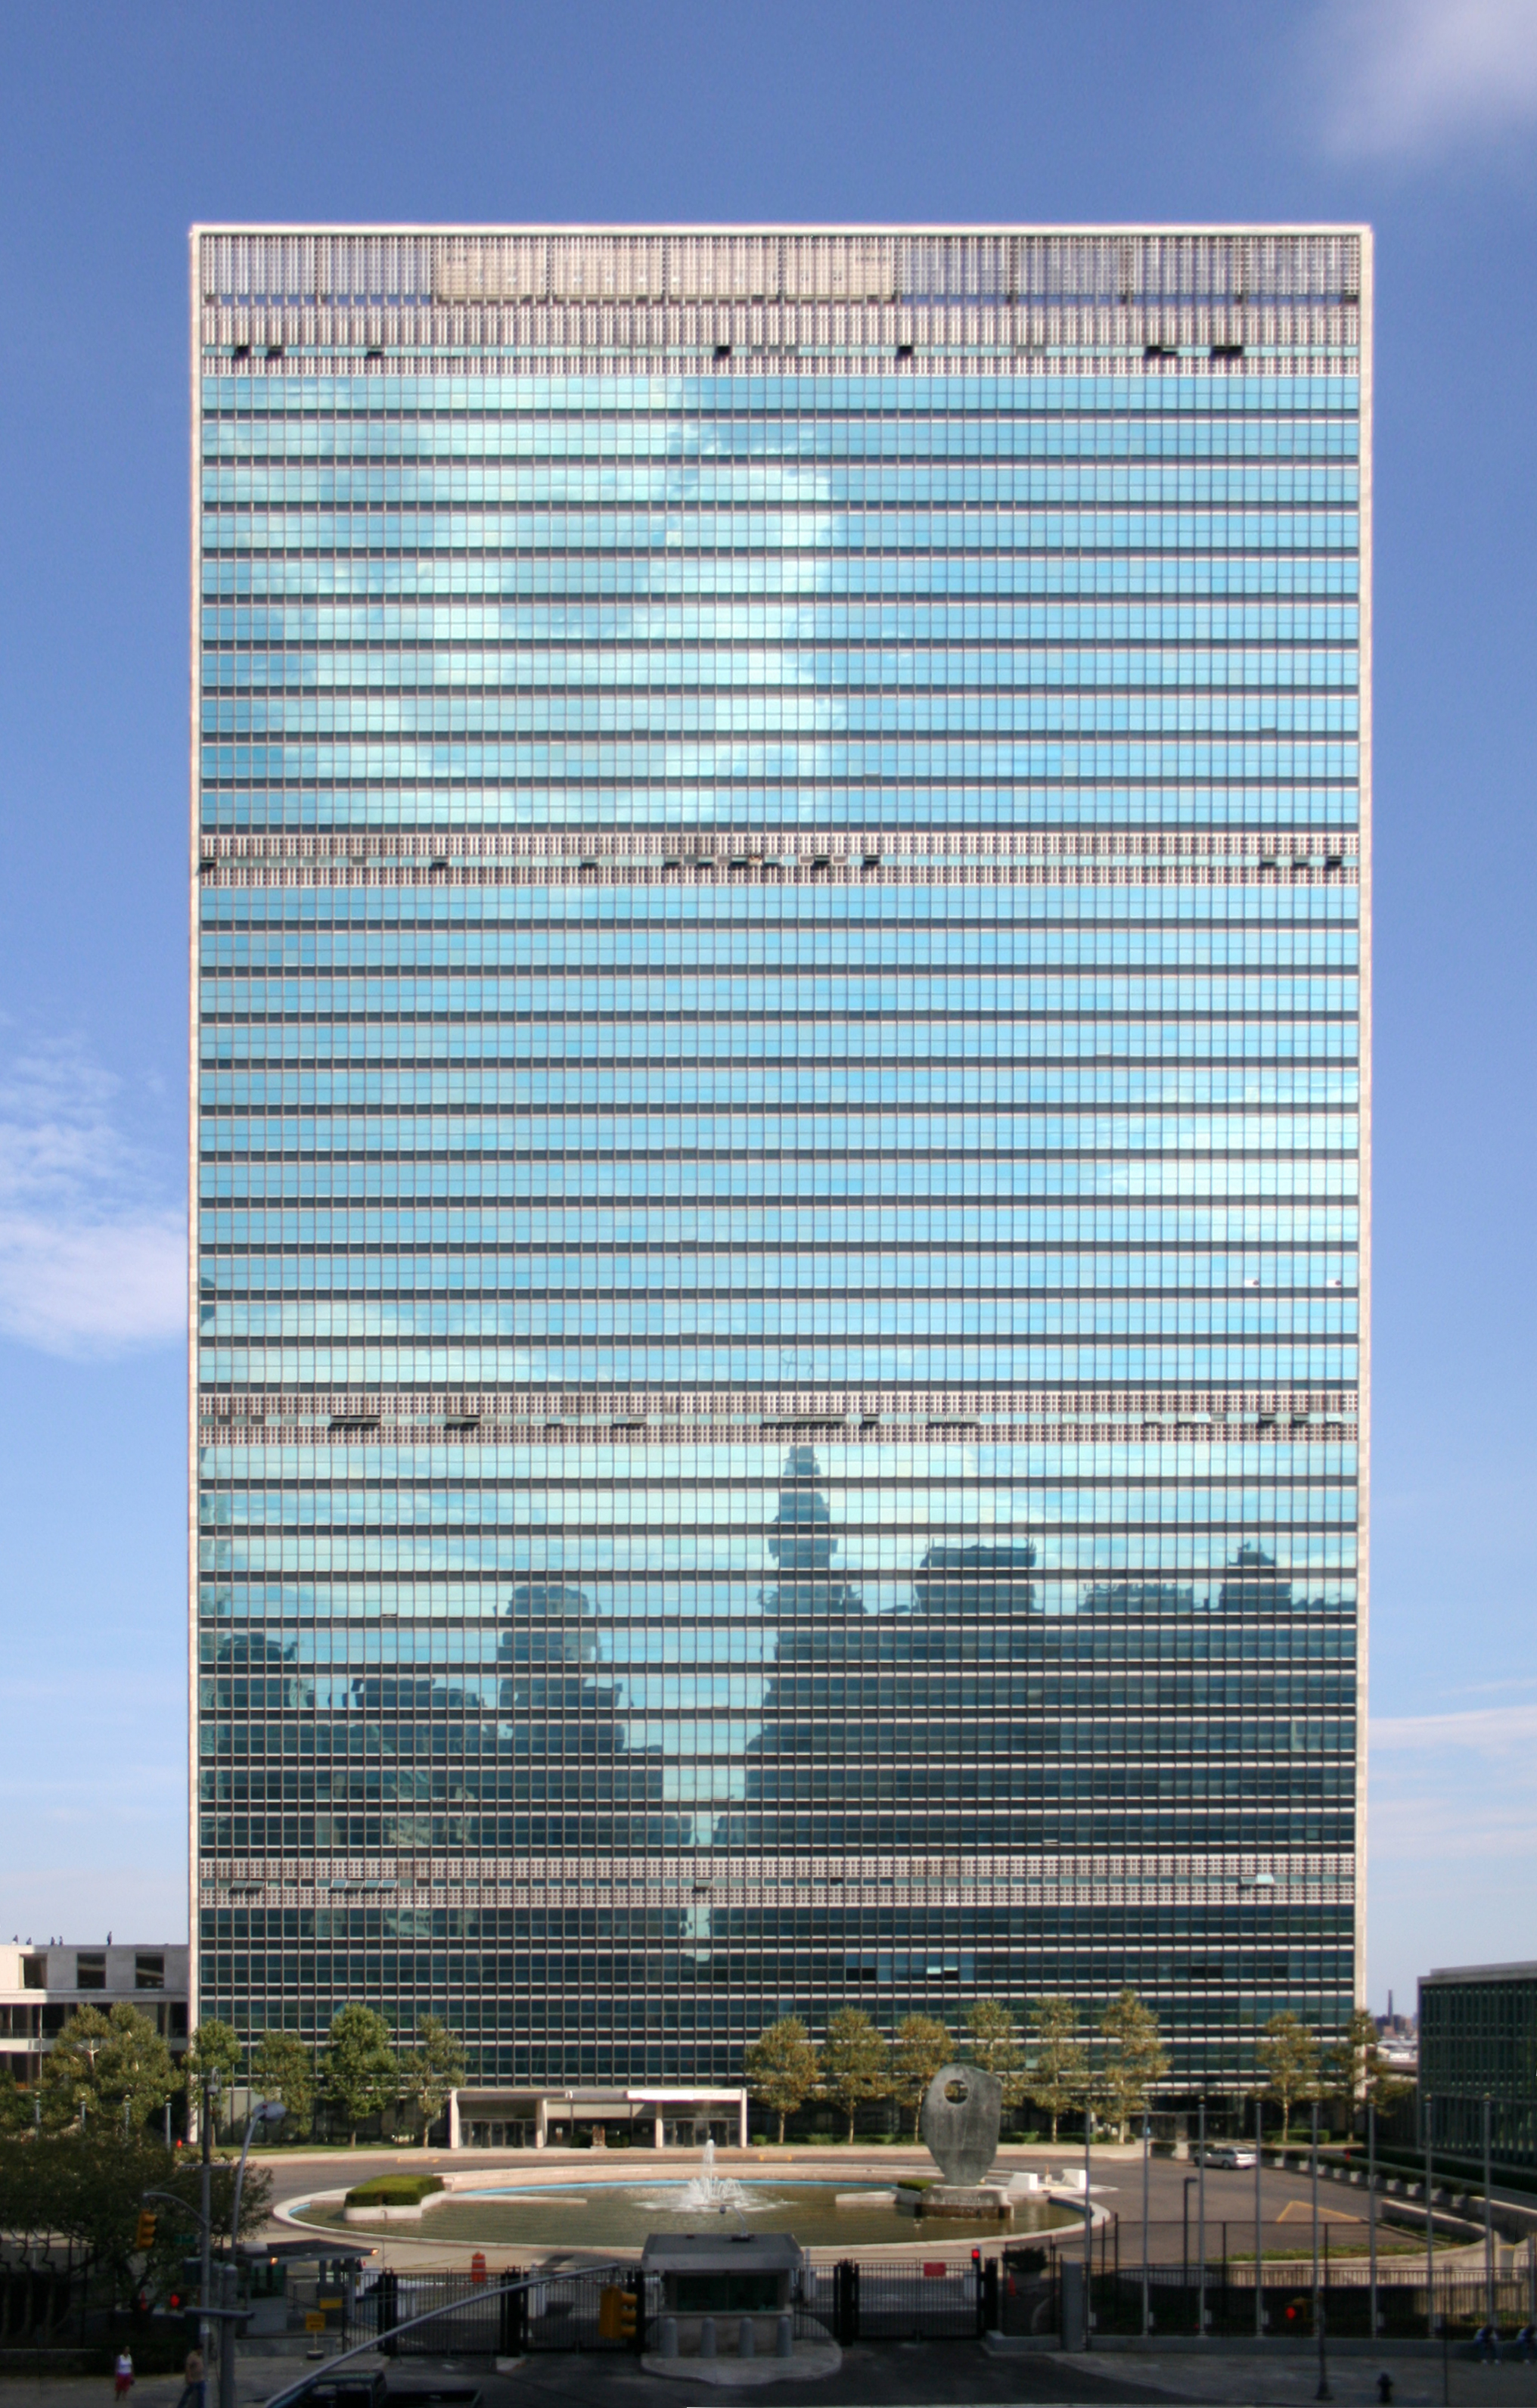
pixel 598 2214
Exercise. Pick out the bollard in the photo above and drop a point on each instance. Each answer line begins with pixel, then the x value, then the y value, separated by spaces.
pixel 747 2340
pixel 667 2338
pixel 785 2337
pixel 707 2337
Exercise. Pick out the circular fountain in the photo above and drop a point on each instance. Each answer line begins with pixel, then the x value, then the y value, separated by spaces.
pixel 507 2210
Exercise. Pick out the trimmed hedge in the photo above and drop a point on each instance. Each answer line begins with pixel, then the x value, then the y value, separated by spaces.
pixel 394 2190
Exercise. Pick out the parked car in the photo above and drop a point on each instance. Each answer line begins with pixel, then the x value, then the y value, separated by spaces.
pixel 1229 2154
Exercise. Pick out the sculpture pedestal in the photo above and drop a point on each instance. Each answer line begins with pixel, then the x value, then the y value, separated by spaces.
pixel 959 2198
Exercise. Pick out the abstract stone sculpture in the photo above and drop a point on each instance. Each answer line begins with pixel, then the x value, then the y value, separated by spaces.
pixel 963 2107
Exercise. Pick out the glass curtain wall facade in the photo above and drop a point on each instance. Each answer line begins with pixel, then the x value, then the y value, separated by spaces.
pixel 779 849
pixel 1478 2054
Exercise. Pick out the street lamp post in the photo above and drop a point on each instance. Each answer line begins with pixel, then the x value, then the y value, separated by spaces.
pixel 1201 2225
pixel 263 2110
pixel 1319 2309
pixel 1147 2151
pixel 1372 2201
pixel 1088 2228
pixel 204 2299
pixel 1258 2214
pixel 1489 2211
pixel 1430 2220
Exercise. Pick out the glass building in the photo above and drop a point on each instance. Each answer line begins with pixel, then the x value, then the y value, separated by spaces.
pixel 1478 2059
pixel 780 846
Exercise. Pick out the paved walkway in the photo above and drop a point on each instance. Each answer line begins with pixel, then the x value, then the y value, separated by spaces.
pixel 931 2375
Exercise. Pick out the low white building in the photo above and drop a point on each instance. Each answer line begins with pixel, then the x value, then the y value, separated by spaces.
pixel 511 2115
pixel 41 1987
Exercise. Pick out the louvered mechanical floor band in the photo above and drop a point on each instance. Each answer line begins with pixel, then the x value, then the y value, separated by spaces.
pixel 582 1415
pixel 713 858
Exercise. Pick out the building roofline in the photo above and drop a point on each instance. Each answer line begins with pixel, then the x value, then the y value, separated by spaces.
pixel 1521 1968
pixel 1360 227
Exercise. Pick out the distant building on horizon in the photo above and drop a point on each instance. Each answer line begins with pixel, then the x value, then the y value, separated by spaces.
pixel 780 866
pixel 1478 2042
pixel 41 1987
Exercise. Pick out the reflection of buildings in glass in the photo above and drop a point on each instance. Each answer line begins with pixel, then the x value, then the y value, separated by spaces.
pixel 869 1720
pixel 1137 1597
pixel 975 1580
pixel 574 1776
pixel 802 1545
pixel 1253 1584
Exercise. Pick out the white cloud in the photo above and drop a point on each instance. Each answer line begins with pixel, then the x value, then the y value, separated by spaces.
pixel 92 1250
pixel 1488 1730
pixel 1404 77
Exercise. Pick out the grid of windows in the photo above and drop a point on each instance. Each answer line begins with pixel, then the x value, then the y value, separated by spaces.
pixel 779 1234
pixel 1478 2044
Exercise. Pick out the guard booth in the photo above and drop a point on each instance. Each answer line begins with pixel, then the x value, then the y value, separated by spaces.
pixel 730 2276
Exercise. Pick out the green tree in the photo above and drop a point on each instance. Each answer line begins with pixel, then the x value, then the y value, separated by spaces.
pixel 213 2055
pixel 855 2062
pixel 990 2028
pixel 104 2067
pixel 430 2070
pixel 1059 2072
pixel 922 2046
pixel 780 2067
pixel 1288 2057
pixel 361 2076
pixel 87 2187
pixel 282 2067
pixel 15 2106
pixel 1134 2058
pixel 1357 2075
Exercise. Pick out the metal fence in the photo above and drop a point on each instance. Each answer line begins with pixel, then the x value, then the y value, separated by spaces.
pixel 1018 2289
pixel 1275 2293
pixel 894 2298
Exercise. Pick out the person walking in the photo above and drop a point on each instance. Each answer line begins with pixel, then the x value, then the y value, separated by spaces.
pixel 191 2381
pixel 123 2375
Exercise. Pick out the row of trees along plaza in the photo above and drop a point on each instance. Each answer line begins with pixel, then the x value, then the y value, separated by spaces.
pixel 1106 2073
pixel 112 2068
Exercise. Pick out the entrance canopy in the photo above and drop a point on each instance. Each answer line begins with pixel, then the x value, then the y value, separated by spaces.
pixel 519 2116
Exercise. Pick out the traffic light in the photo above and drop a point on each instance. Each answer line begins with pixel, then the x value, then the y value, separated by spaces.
pixel 616 2313
pixel 144 2238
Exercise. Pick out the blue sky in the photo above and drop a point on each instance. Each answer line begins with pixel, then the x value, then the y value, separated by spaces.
pixel 124 124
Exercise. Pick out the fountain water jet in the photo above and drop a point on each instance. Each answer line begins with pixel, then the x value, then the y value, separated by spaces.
pixel 708 2192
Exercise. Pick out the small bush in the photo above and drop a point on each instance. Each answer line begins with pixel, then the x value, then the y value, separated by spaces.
pixel 394 2190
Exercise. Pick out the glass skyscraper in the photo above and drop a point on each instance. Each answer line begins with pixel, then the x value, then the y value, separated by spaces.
pixel 780 846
